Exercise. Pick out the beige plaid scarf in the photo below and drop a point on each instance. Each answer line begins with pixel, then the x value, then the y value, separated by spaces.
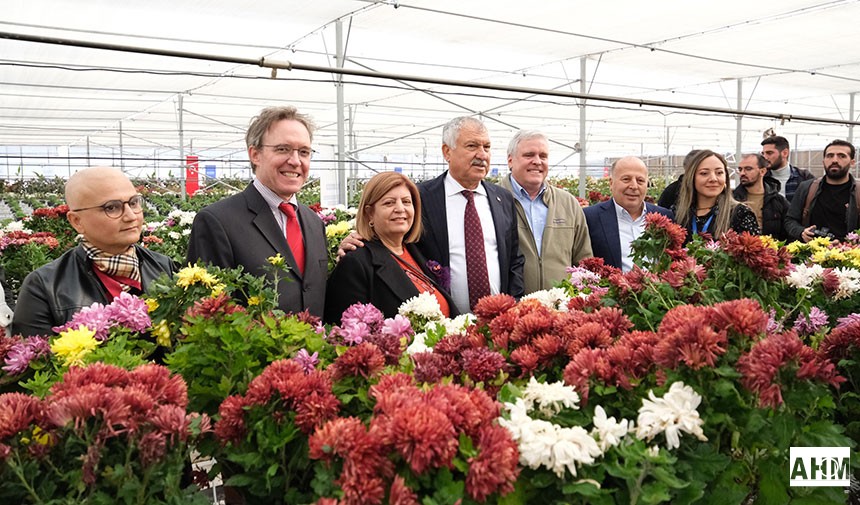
pixel 124 265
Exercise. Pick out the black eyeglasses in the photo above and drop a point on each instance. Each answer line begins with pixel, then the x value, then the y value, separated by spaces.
pixel 305 153
pixel 115 208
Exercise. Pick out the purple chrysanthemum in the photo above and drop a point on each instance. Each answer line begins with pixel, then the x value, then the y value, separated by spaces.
pixel 355 333
pixel 308 361
pixel 773 326
pixel 130 311
pixel 362 313
pixel 95 317
pixel 397 326
pixel 21 354
pixel 849 319
pixel 807 325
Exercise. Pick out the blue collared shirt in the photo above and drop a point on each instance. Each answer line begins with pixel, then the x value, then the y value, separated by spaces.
pixel 536 210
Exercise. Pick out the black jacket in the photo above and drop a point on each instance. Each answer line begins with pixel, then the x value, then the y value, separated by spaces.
pixel 53 293
pixel 370 274
pixel 794 219
pixel 773 210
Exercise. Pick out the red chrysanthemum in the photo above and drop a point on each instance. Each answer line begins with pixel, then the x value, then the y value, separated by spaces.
pixel 95 373
pixel 482 364
pixel 363 360
pixel 17 411
pixel 829 282
pixel 400 493
pixel 431 367
pixel 590 335
pixel 768 263
pixel 490 307
pixel 598 266
pixel 526 358
pixel 661 224
pixel 495 469
pixel 163 387
pixel 501 328
pixel 548 346
pixel 744 317
pixel 231 425
pixel 423 436
pixel 592 301
pixel 842 342
pixel 467 410
pixel 535 319
pixel 213 306
pixel 761 366
pixel 390 383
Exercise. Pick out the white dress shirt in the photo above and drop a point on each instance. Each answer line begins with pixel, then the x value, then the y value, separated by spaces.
pixel 629 230
pixel 455 208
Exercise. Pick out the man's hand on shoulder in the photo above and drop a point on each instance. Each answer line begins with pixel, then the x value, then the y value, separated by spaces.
pixel 350 243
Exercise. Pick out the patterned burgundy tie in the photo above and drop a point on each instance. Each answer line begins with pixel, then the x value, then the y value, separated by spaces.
pixel 476 259
pixel 294 235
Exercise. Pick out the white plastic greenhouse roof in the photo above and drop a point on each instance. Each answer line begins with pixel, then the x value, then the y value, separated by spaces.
pixel 788 58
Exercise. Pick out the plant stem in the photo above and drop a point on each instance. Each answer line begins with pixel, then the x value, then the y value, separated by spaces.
pixel 18 471
pixel 634 494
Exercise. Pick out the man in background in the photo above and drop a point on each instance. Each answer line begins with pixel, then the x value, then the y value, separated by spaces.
pixel 553 234
pixel 614 224
pixel 761 193
pixel 776 151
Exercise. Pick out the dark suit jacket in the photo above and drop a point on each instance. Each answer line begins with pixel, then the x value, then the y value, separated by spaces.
pixel 240 230
pixel 434 241
pixel 603 229
pixel 371 275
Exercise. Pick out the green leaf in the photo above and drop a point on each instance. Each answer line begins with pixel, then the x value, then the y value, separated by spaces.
pixel 773 484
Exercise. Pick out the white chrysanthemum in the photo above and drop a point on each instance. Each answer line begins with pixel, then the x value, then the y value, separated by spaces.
pixel 554 298
pixel 424 305
pixel 458 324
pixel 419 344
pixel 849 282
pixel 574 446
pixel 672 414
pixel 607 431
pixel 174 235
pixel 550 398
pixel 804 276
pixel 15 226
pixel 183 217
pixel 186 232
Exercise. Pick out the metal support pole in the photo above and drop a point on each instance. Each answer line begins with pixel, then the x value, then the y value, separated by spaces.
pixel 89 162
pixel 739 123
pixel 181 153
pixel 582 149
pixel 121 155
pixel 851 117
pixel 341 147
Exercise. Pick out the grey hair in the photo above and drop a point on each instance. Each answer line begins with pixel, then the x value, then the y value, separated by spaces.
pixel 451 130
pixel 523 135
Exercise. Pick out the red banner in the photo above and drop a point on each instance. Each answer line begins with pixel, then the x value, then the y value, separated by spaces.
pixel 192 182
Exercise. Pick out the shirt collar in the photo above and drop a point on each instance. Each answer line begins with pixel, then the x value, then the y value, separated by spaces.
pixel 521 191
pixel 452 187
pixel 270 197
pixel 621 211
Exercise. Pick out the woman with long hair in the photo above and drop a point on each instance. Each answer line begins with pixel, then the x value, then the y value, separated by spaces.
pixel 389 269
pixel 705 203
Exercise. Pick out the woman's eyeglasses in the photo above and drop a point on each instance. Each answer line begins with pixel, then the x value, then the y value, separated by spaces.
pixel 115 208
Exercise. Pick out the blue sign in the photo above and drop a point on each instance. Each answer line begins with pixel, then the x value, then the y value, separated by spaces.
pixel 210 171
pixel 399 170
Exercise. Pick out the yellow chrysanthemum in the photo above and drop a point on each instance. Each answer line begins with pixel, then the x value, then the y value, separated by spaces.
pixel 151 304
pixel 193 275
pixel 40 436
pixel 769 241
pixel 337 229
pixel 819 243
pixel 795 247
pixel 853 256
pixel 276 260
pixel 254 300
pixel 217 289
pixel 161 333
pixel 73 345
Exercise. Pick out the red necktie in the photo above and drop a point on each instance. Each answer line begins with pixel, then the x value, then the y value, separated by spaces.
pixel 476 259
pixel 294 235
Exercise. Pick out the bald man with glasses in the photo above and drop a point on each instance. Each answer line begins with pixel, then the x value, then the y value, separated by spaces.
pixel 107 212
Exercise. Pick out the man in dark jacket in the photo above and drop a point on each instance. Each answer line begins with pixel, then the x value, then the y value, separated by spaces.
pixel 761 193
pixel 107 210
pixel 776 151
pixel 827 206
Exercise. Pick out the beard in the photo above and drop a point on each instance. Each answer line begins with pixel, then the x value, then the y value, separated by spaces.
pixel 836 171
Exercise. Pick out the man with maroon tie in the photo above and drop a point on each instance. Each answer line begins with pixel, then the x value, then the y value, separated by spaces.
pixel 266 219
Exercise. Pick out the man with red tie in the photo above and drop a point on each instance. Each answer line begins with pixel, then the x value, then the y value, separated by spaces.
pixel 266 218
pixel 107 211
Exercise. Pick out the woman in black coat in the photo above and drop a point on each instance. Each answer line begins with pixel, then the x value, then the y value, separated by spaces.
pixel 389 269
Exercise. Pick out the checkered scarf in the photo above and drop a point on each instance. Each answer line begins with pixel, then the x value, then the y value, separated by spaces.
pixel 124 265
